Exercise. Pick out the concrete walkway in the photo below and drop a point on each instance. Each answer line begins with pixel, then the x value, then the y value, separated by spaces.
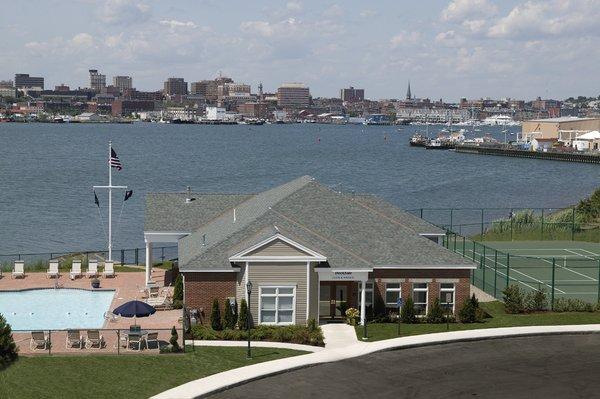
pixel 338 335
pixel 256 344
pixel 227 379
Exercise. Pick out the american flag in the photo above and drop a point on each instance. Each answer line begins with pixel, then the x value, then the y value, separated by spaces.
pixel 114 160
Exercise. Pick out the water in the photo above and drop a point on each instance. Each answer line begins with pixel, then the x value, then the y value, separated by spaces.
pixel 47 171
pixel 44 309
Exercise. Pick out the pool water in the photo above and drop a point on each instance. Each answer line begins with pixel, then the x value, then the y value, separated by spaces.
pixel 55 309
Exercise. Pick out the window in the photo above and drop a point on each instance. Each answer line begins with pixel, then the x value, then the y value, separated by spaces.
pixel 420 298
pixel 447 296
pixel 368 294
pixel 277 305
pixel 392 293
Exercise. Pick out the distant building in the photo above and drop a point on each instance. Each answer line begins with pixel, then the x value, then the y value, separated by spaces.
pixel 233 90
pixel 62 87
pixel 97 81
pixel 352 95
pixel 7 89
pixel 293 95
pixel 24 81
pixel 408 93
pixel 175 86
pixel 122 107
pixel 253 110
pixel 123 83
pixel 216 113
pixel 206 89
pixel 565 129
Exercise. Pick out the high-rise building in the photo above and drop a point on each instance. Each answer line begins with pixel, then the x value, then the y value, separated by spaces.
pixel 352 95
pixel 122 82
pixel 24 81
pixel 233 90
pixel 174 86
pixel 205 88
pixel 293 95
pixel 97 81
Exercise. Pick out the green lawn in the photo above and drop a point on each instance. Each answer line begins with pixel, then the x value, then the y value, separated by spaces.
pixel 379 331
pixel 126 376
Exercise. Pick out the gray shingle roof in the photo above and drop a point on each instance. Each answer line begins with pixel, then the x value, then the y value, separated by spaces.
pixel 170 212
pixel 351 231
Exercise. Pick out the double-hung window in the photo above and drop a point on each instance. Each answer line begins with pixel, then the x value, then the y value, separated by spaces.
pixel 392 293
pixel 368 294
pixel 277 305
pixel 420 298
pixel 447 291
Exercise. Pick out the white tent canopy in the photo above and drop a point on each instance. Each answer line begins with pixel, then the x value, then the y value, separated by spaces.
pixel 593 135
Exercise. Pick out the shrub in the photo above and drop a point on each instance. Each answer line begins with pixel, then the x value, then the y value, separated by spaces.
pixel 436 313
pixel 573 305
pixel 174 341
pixel 177 304
pixel 407 313
pixel 215 316
pixel 378 307
pixel 352 316
pixel 235 313
pixel 228 319
pixel 8 348
pixel 203 332
pixel 312 325
pixel 243 315
pixel 513 299
pixel 178 289
pixel 470 312
pixel 535 301
pixel 310 334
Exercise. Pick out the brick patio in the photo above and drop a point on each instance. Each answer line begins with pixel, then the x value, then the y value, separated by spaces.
pixel 127 286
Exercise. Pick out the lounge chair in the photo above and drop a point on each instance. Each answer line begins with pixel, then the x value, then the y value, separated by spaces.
pixel 153 291
pixel 135 339
pixel 109 269
pixel 111 317
pixel 92 268
pixel 160 303
pixel 52 269
pixel 19 269
pixel 39 340
pixel 94 339
pixel 152 338
pixel 75 269
pixel 74 339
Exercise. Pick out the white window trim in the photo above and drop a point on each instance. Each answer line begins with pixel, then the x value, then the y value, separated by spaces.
pixel 398 290
pixel 426 289
pixel 372 289
pixel 453 290
pixel 276 323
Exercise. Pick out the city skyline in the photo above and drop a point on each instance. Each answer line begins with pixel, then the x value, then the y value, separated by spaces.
pixel 448 49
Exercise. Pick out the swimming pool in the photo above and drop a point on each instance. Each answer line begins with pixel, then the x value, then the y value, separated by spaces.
pixel 55 309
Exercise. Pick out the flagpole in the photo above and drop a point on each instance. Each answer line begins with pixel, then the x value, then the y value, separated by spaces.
pixel 109 202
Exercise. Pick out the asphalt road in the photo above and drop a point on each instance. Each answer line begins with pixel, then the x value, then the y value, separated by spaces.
pixel 563 366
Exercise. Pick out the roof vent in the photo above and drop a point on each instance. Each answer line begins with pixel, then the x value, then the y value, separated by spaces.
pixel 203 239
pixel 234 216
pixel 188 197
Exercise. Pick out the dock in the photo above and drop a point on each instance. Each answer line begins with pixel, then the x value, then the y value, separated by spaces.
pixel 513 152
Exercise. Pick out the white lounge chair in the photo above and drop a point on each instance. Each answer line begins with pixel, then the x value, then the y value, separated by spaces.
pixel 152 338
pixel 39 340
pixel 52 269
pixel 92 268
pixel 160 303
pixel 111 317
pixel 74 339
pixel 19 269
pixel 75 269
pixel 94 339
pixel 135 339
pixel 109 269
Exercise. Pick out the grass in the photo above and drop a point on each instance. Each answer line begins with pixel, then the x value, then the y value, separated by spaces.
pixel 126 376
pixel 380 331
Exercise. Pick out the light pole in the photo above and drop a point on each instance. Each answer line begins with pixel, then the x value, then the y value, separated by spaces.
pixel 248 313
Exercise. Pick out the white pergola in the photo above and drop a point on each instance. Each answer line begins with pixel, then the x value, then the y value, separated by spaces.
pixel 162 237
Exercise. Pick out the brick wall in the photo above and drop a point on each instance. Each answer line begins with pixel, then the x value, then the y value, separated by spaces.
pixel 201 289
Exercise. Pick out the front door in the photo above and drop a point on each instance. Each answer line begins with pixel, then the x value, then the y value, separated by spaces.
pixel 340 303
pixel 325 301
pixel 333 299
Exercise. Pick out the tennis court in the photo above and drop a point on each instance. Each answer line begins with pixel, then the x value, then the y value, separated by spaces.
pixel 561 268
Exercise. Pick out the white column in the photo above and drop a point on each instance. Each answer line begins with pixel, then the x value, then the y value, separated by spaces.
pixel 363 286
pixel 148 261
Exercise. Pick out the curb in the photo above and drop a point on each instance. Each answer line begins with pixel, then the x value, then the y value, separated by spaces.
pixel 219 382
pixel 256 344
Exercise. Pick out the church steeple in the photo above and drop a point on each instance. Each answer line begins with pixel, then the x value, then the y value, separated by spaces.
pixel 408 93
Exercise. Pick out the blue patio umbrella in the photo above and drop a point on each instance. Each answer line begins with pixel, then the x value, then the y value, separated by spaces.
pixel 134 309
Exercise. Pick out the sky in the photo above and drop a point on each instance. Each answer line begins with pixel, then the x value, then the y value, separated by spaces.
pixel 447 49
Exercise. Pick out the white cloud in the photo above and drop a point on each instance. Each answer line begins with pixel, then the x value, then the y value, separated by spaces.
pixel 549 18
pixel 404 38
pixel 474 26
pixel 334 11
pixel 123 12
pixel 459 10
pixel 82 40
pixel 294 6
pixel 368 13
pixel 173 24
pixel 450 38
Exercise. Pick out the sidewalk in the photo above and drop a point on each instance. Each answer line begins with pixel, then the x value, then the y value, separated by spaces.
pixel 338 335
pixel 221 381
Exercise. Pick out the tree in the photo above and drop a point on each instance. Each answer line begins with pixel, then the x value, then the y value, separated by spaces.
pixel 178 289
pixel 174 341
pixel 8 348
pixel 436 312
pixel 228 319
pixel 407 312
pixel 243 315
pixel 470 311
pixel 215 316
pixel 235 313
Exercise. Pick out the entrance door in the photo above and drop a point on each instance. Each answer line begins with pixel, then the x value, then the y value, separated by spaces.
pixel 325 301
pixel 341 299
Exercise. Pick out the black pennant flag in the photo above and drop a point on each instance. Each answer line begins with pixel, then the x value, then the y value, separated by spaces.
pixel 128 194
pixel 96 200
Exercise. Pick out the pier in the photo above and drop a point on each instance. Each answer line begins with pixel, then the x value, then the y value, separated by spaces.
pixel 513 152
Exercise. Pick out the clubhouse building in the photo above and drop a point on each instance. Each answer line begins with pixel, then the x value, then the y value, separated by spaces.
pixel 309 252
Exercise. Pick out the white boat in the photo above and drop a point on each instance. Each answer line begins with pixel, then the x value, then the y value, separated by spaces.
pixel 500 120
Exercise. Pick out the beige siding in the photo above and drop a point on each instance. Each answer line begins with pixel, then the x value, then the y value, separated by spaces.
pixel 277 248
pixel 269 274
pixel 240 284
pixel 314 293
